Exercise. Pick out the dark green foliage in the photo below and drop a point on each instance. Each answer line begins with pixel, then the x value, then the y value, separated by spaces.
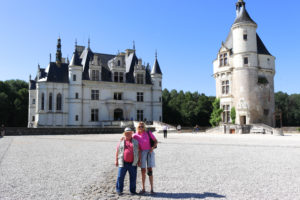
pixel 233 115
pixel 289 106
pixel 215 117
pixel 186 109
pixel 13 103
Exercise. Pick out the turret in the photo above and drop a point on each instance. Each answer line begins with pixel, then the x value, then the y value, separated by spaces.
pixel 243 30
pixel 156 73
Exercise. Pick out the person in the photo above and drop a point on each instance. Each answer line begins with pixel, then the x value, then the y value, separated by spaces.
pixel 165 129
pixel 196 129
pixel 147 154
pixel 128 157
pixel 178 128
pixel 2 130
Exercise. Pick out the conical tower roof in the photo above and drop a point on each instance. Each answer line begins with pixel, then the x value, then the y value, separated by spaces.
pixel 242 15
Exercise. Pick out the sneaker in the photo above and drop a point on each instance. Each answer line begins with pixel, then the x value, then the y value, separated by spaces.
pixel 142 192
pixel 120 193
pixel 133 193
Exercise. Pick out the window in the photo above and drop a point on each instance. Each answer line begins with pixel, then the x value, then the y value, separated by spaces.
pixel 76 118
pixel 159 99
pixel 225 87
pixel 95 95
pixel 159 83
pixel 95 75
pixel 43 102
pixel 119 77
pixel 58 102
pixel 245 37
pixel 74 77
pixel 266 112
pixel 140 79
pixel 140 96
pixel 50 101
pixel 76 95
pixel 223 59
pixel 117 96
pixel 33 118
pixel 226 113
pixel 119 63
pixel 94 115
pixel 116 76
pixel 33 101
pixel 139 115
pixel 246 60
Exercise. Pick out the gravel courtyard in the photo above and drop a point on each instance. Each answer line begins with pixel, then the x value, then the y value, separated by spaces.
pixel 189 166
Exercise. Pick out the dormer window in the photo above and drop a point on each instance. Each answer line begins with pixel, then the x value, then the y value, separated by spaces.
pixel 223 59
pixel 95 75
pixel 119 77
pixel 119 63
pixel 140 79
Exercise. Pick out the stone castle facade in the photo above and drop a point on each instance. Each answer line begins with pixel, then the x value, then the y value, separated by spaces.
pixel 244 72
pixel 94 88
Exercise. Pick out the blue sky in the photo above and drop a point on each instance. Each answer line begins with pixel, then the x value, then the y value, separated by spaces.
pixel 186 33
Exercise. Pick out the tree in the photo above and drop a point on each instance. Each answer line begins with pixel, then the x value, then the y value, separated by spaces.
pixel 232 115
pixel 215 117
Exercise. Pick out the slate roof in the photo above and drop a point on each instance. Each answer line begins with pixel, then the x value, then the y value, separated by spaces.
pixel 156 68
pixel 32 85
pixel 81 57
pixel 261 48
pixel 58 73
pixel 242 14
pixel 75 61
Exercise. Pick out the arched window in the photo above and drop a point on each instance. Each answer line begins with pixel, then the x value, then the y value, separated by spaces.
pixel 50 101
pixel 43 102
pixel 58 101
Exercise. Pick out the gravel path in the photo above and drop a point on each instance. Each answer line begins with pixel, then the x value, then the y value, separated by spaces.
pixel 189 166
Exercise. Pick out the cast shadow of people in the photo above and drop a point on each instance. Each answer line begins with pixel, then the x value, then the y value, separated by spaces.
pixel 186 195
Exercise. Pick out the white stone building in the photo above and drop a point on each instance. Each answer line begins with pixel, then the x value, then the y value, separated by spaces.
pixel 244 72
pixel 94 88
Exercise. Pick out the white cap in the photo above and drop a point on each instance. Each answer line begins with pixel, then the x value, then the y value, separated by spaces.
pixel 127 129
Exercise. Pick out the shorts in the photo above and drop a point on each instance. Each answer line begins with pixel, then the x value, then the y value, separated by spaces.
pixel 147 159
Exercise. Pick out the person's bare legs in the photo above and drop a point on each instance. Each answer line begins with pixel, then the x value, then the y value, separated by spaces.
pixel 143 178
pixel 151 178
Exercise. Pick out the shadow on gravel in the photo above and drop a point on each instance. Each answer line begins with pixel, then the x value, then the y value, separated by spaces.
pixel 186 195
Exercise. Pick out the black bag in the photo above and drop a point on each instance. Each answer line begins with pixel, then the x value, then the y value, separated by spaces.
pixel 152 142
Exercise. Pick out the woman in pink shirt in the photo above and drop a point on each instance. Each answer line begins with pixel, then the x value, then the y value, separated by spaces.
pixel 147 154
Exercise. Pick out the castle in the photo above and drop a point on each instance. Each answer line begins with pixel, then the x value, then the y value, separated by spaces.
pixel 244 72
pixel 94 88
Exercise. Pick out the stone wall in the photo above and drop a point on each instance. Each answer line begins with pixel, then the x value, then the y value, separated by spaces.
pixel 61 131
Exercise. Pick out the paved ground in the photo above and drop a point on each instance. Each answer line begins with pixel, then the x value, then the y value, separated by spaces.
pixel 189 166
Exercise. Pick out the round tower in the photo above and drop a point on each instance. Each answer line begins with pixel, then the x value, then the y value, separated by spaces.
pixel 156 77
pixel 75 90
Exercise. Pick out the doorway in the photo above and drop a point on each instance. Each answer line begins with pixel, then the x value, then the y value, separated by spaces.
pixel 243 120
pixel 118 114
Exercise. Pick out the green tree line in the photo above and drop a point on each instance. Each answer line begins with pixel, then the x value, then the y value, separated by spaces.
pixel 184 108
pixel 13 103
